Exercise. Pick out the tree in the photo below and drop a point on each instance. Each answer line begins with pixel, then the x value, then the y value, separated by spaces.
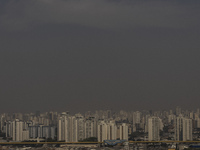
pixel 90 139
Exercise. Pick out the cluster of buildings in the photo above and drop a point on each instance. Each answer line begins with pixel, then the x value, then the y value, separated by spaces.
pixel 177 125
pixel 23 131
pixel 77 128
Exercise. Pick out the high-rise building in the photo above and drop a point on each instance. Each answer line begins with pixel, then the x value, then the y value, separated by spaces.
pixel 89 128
pixel 111 130
pixel 146 122
pixel 107 130
pixel 63 128
pixel 198 111
pixel 102 131
pixel 136 120
pixel 73 129
pixel 154 124
pixel 178 110
pixel 80 125
pixel 183 129
pixel 15 130
pixel 41 131
pixel 70 128
pixel 123 131
pixel 171 118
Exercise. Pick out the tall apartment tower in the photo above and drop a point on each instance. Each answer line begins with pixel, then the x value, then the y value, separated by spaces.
pixel 171 118
pixel 89 128
pixel 107 130
pixel 154 128
pixel 70 128
pixel 63 128
pixel 178 110
pixel 102 131
pixel 80 127
pixel 183 129
pixel 146 122
pixel 73 129
pixel 123 131
pixel 111 130
pixel 15 129
pixel 136 120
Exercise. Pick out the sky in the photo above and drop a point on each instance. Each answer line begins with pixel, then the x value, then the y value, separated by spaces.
pixel 86 55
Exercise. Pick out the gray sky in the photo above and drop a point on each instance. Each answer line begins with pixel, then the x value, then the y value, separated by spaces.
pixel 81 55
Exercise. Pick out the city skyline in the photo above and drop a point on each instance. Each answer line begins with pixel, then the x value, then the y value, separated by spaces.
pixel 177 125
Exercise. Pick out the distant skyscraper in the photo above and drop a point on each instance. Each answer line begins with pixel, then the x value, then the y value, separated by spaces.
pixel 111 130
pixel 71 128
pixel 107 130
pixel 136 120
pixel 171 118
pixel 154 124
pixel 63 128
pixel 171 112
pixel 123 131
pixel 80 125
pixel 183 129
pixel 15 129
pixel 102 131
pixel 178 110
pixel 146 122
pixel 89 128
pixel 198 112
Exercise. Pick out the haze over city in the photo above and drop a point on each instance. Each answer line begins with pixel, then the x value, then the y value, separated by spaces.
pixel 71 55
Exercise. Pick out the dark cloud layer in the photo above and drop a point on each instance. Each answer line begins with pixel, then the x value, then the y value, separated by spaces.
pixel 86 55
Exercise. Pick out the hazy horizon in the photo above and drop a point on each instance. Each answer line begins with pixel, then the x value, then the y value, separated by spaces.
pixel 85 55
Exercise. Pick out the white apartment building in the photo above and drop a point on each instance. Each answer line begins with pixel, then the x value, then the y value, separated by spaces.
pixel 71 128
pixel 80 127
pixel 136 120
pixel 89 128
pixel 123 131
pixel 154 125
pixel 111 130
pixel 63 128
pixel 102 131
pixel 187 130
pixel 183 129
pixel 146 123
pixel 16 130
